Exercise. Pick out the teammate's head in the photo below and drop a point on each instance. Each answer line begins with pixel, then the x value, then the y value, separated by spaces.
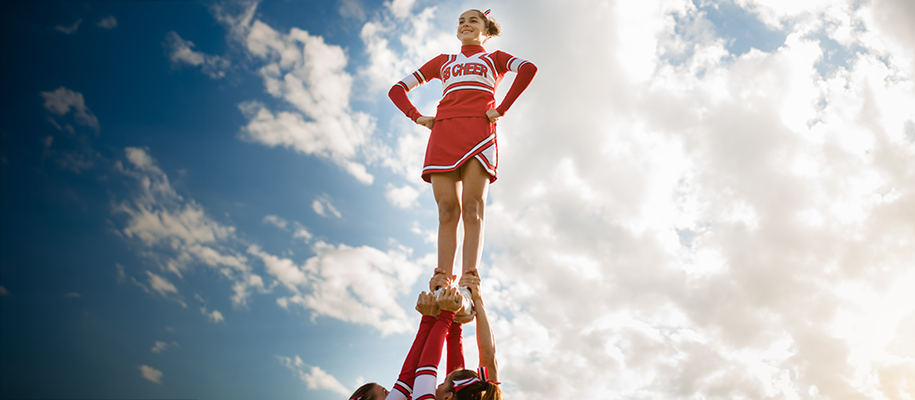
pixel 475 390
pixel 370 391
pixel 475 27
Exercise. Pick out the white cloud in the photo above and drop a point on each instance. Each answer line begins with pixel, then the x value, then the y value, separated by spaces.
pixel 161 285
pixel 182 52
pixel 275 221
pixel 151 374
pixel 309 75
pixel 314 377
pixel 109 22
pixel 61 101
pixel 72 295
pixel 4 292
pixel 400 8
pixel 178 234
pixel 161 346
pixel 402 197
pixel 324 207
pixel 354 284
pixel 302 232
pixel 215 316
pixel 69 29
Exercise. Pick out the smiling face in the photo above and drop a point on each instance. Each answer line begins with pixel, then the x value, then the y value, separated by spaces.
pixel 472 28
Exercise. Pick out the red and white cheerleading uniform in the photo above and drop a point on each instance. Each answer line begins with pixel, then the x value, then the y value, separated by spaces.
pixel 417 377
pixel 461 130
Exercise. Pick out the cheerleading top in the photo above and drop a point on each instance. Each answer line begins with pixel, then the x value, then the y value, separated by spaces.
pixel 469 81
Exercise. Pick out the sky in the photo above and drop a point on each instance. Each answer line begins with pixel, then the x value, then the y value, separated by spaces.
pixel 696 199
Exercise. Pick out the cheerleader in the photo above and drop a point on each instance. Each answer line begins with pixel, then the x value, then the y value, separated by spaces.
pixel 462 155
pixel 437 327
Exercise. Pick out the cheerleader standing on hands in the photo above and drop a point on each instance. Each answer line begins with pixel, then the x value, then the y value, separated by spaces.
pixel 462 155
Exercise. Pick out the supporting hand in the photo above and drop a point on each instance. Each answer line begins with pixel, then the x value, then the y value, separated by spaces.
pixel 450 300
pixel 427 305
pixel 471 279
pixel 464 318
pixel 440 279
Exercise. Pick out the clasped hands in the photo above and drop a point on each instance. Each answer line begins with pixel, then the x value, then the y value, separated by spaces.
pixel 450 299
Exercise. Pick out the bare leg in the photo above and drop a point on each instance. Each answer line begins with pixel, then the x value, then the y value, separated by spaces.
pixel 446 187
pixel 473 200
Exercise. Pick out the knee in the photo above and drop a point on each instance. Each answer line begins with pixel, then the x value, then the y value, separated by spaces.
pixel 449 212
pixel 473 211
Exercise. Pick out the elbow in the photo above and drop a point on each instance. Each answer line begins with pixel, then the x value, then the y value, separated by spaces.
pixel 531 67
pixel 393 92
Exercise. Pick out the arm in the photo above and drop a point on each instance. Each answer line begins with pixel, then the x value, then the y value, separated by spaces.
pixel 398 95
pixel 398 92
pixel 403 388
pixel 485 341
pixel 455 345
pixel 526 74
pixel 427 369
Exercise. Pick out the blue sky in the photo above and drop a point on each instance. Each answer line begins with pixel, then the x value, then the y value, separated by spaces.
pixel 217 200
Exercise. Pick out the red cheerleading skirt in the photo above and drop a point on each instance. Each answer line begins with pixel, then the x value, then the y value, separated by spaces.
pixel 454 141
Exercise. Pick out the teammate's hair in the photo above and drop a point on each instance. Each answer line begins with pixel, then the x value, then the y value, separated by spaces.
pixel 493 28
pixel 363 392
pixel 475 390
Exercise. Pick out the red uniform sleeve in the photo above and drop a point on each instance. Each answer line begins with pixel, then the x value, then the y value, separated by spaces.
pixel 404 384
pixel 398 95
pixel 426 73
pixel 427 369
pixel 526 70
pixel 455 345
pixel 525 75
pixel 432 351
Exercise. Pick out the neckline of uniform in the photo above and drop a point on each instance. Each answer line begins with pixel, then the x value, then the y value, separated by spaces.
pixel 471 50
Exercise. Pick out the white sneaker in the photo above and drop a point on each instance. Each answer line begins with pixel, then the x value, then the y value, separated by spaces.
pixel 466 303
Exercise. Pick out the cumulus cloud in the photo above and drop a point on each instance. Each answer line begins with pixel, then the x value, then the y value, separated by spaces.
pixel 62 101
pixel 309 76
pixel 215 316
pixel 178 234
pixel 704 224
pixel 151 374
pixel 354 284
pixel 178 231
pixel 402 197
pixel 302 233
pixel 314 377
pixel 182 52
pixel 109 22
